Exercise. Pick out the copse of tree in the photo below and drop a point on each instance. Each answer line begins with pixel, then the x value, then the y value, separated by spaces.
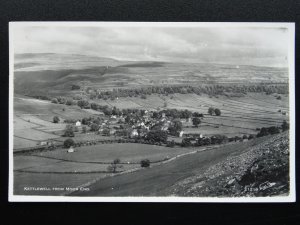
pixel 69 142
pixel 268 130
pixel 157 136
pixel 56 119
pixel 196 114
pixel 211 111
pixel 196 121
pixel 217 112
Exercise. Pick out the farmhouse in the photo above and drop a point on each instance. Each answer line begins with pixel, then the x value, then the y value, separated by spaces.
pixel 71 149
pixel 180 134
pixel 78 124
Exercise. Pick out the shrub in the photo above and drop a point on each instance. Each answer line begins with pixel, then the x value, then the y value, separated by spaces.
pixel 186 142
pixel 54 100
pixel 69 142
pixel 285 126
pixel 75 87
pixel 94 127
pixel 171 144
pixel 218 112
pixel 211 111
pixel 114 166
pixel 251 136
pixel 145 163
pixel 196 121
pixel 56 119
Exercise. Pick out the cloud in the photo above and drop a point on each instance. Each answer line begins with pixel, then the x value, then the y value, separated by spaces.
pixel 257 46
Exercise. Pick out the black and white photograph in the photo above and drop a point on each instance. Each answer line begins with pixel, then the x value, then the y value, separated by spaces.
pixel 152 112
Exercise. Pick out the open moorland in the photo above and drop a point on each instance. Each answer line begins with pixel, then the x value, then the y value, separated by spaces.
pixel 120 128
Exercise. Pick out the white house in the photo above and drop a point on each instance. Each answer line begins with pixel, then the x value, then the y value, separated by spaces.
pixel 71 149
pixel 78 124
pixel 181 133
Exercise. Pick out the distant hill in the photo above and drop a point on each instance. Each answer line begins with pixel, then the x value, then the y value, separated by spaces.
pixel 56 73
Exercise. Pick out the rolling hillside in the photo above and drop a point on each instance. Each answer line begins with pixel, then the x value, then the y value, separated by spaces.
pixel 55 73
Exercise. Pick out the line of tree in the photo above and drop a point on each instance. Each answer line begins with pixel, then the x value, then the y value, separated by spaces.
pixel 211 89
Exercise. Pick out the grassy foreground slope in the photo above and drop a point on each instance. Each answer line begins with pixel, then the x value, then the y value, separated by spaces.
pixel 160 180
pixel 261 171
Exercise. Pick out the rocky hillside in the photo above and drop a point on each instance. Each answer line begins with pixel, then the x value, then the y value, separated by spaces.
pixel 261 171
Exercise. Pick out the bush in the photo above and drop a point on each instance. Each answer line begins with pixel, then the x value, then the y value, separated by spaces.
pixel 186 142
pixel 54 100
pixel 196 121
pixel 218 112
pixel 56 119
pixel 69 142
pixel 211 111
pixel 75 87
pixel 285 126
pixel 251 136
pixel 171 144
pixel 145 163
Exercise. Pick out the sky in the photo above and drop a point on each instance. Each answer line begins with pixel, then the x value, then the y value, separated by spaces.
pixel 226 45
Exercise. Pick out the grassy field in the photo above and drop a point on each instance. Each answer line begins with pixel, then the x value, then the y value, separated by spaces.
pixel 126 152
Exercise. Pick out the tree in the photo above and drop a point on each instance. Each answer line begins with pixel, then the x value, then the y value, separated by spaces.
pixel 106 132
pixel 157 136
pixel 186 142
pixel 218 112
pixel 273 130
pixel 285 126
pixel 56 119
pixel 83 104
pixel 196 121
pixel 69 142
pixel 175 127
pixel 94 127
pixel 69 102
pixel 114 166
pixel 145 163
pixel 251 136
pixel 69 131
pixel 75 87
pixel 211 111
pixel 54 100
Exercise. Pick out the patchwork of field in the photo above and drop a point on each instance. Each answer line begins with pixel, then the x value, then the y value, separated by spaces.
pixel 33 121
pixel 59 168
